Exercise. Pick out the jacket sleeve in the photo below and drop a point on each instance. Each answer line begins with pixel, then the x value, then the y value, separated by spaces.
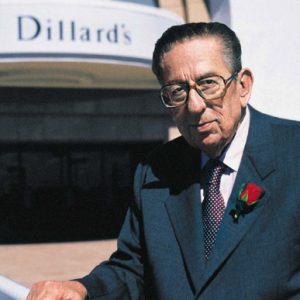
pixel 121 277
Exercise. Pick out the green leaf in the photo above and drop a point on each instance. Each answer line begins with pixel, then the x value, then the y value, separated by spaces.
pixel 245 197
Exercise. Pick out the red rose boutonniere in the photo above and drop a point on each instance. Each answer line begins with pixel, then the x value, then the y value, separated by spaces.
pixel 248 196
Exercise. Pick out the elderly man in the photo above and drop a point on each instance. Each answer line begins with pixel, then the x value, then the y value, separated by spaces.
pixel 216 213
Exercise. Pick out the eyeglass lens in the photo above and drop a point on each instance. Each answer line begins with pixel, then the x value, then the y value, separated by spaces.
pixel 208 88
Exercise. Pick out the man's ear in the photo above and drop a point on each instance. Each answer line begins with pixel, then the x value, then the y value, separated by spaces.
pixel 245 81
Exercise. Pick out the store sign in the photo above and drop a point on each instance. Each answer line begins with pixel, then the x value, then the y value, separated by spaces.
pixel 33 28
pixel 80 30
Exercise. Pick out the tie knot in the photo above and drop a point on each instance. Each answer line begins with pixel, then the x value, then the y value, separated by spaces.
pixel 213 171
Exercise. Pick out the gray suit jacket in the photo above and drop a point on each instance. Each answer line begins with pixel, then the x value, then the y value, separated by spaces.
pixel 160 248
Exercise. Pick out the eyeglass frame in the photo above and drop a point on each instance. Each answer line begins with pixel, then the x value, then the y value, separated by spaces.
pixel 187 87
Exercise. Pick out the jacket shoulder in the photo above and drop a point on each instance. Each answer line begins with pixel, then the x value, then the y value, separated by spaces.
pixel 263 117
pixel 278 134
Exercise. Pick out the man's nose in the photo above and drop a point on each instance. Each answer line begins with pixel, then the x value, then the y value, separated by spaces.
pixel 196 103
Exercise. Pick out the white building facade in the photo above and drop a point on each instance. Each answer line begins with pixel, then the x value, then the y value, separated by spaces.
pixel 79 105
pixel 79 108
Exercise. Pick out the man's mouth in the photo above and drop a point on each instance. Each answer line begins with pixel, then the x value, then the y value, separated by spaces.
pixel 203 126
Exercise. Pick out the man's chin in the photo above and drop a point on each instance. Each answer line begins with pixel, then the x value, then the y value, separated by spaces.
pixel 209 145
pixel 207 139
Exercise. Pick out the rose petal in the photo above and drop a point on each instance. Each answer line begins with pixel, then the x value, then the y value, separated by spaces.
pixel 254 193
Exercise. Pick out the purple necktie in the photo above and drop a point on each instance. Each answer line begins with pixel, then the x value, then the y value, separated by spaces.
pixel 213 206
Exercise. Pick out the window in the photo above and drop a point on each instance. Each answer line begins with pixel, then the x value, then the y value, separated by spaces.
pixel 65 192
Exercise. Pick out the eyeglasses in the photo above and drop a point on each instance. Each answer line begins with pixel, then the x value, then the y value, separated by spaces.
pixel 209 88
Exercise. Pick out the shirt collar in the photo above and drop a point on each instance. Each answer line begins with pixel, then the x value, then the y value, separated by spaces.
pixel 233 153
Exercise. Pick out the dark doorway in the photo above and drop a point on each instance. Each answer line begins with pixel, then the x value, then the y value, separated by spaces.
pixel 66 192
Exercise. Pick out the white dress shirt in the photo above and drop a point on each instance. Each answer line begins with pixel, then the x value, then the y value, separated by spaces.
pixel 231 157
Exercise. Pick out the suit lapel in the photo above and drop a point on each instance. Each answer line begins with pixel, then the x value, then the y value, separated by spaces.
pixel 256 165
pixel 184 211
pixel 178 171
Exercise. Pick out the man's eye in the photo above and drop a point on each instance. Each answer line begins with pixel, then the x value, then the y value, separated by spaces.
pixel 176 90
pixel 207 82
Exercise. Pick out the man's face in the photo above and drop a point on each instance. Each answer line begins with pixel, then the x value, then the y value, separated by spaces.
pixel 206 126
